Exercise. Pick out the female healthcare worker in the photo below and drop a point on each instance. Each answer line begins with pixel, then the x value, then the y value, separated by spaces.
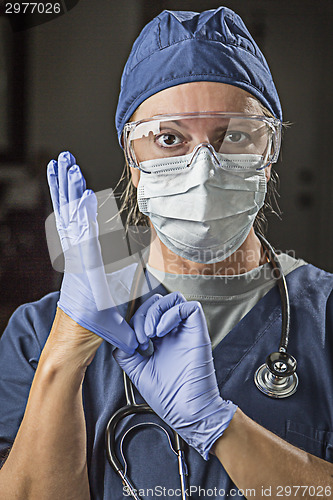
pixel 201 175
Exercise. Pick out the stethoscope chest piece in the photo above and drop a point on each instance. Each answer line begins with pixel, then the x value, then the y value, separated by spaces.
pixel 277 378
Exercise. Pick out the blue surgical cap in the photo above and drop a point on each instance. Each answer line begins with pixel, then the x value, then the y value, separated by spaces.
pixel 179 47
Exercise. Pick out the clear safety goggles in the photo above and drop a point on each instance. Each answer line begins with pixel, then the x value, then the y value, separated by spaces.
pixel 229 134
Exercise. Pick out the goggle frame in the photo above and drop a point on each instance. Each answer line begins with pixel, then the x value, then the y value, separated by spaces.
pixel 274 124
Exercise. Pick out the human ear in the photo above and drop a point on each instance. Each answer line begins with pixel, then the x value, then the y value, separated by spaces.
pixel 135 175
pixel 268 172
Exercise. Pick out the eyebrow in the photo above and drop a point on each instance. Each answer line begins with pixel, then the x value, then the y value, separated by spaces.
pixel 182 124
pixel 176 122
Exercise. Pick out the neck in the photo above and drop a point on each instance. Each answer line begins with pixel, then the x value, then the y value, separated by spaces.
pixel 248 256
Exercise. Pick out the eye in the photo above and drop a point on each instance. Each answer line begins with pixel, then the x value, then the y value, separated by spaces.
pixel 168 140
pixel 236 137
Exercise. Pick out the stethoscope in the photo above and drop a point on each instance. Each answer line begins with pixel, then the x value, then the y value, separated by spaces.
pixel 175 442
pixel 275 378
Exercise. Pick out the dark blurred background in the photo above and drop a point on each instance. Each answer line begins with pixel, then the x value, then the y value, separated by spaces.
pixel 58 91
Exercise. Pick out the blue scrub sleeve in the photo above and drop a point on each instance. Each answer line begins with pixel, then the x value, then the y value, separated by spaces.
pixel 20 348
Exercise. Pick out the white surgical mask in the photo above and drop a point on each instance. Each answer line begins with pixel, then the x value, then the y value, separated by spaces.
pixel 202 212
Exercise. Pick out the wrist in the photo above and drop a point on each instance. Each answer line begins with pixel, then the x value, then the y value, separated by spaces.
pixel 236 426
pixel 205 434
pixel 220 421
pixel 69 346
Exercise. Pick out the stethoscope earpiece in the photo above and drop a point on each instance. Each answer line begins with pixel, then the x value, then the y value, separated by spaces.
pixel 277 378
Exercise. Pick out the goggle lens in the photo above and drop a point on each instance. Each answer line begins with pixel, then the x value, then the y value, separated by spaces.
pixel 230 134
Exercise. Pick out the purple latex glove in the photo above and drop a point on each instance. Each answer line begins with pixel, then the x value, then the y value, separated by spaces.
pixel 178 380
pixel 85 295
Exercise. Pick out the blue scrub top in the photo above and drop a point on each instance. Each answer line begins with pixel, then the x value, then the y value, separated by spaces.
pixel 304 419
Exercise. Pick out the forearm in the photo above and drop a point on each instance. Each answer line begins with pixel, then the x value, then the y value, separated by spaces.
pixel 257 459
pixel 48 457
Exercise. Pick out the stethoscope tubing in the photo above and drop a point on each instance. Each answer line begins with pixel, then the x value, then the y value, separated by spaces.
pixel 132 408
pixel 283 289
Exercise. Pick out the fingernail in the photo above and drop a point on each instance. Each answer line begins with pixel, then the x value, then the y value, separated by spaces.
pixel 65 155
pixel 52 165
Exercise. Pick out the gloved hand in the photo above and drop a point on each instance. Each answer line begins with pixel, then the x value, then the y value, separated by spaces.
pixel 85 295
pixel 178 380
